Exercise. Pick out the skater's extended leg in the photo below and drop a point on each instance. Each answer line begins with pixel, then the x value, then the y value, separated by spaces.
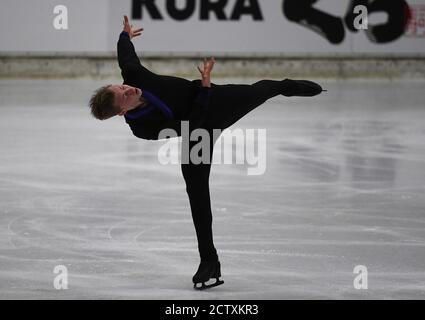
pixel 229 103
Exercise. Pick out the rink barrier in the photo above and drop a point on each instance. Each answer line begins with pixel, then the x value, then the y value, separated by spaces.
pixel 337 66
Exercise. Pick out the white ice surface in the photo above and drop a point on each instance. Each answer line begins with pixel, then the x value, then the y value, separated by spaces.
pixel 344 186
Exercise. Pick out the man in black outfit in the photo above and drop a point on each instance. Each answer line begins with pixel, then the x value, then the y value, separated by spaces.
pixel 151 103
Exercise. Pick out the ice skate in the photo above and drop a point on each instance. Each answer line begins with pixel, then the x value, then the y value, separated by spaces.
pixel 207 270
pixel 301 88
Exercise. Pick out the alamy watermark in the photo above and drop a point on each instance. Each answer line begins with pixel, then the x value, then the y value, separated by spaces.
pixel 361 21
pixel 60 281
pixel 361 280
pixel 250 147
pixel 60 22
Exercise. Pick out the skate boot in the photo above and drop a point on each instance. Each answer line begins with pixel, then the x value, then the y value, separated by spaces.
pixel 207 270
pixel 301 88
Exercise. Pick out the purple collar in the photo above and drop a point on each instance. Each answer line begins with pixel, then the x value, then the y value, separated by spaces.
pixel 154 102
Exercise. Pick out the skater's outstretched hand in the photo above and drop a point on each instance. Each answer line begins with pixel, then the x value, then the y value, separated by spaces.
pixel 206 72
pixel 130 30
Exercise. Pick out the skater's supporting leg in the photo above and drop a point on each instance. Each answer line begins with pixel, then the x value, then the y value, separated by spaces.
pixel 196 177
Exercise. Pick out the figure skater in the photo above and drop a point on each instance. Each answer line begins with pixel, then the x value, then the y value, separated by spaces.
pixel 150 103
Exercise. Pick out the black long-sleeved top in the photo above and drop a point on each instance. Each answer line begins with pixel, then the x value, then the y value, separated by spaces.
pixel 188 100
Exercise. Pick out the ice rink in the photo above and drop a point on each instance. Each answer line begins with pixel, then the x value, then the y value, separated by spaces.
pixel 344 186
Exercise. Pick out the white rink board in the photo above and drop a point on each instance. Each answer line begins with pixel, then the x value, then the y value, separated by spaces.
pixel 93 28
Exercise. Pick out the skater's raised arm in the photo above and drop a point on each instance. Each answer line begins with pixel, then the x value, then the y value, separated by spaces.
pixel 125 48
pixel 206 72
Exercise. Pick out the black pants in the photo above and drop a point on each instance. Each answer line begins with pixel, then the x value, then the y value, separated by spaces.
pixel 228 104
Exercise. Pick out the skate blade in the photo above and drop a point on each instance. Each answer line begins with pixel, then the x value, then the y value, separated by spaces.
pixel 203 285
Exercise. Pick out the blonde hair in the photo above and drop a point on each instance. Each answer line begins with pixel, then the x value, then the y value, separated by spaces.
pixel 102 103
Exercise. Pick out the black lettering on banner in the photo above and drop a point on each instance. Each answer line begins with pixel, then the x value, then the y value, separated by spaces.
pixel 253 8
pixel 137 9
pixel 180 14
pixel 332 28
pixel 302 12
pixel 217 7
pixel 242 7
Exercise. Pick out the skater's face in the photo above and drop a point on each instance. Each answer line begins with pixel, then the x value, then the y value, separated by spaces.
pixel 126 97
